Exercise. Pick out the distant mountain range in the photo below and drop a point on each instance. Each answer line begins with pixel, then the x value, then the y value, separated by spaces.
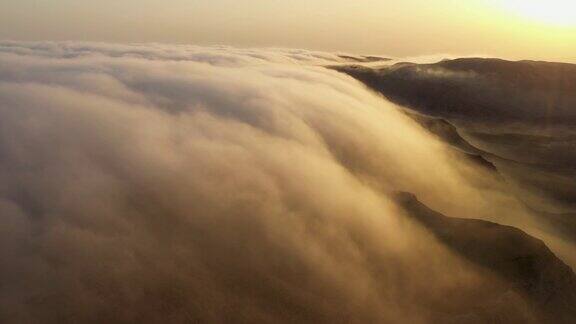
pixel 520 117
pixel 519 120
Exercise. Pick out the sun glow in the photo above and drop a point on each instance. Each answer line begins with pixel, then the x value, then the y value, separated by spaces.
pixel 556 12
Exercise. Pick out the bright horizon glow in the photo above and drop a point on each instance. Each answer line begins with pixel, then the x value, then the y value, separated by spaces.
pixel 553 12
pixel 530 29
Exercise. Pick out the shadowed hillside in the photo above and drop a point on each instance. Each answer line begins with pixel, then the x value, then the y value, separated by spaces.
pixel 517 117
pixel 528 267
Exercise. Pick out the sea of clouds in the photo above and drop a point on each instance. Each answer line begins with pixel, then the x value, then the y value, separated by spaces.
pixel 165 183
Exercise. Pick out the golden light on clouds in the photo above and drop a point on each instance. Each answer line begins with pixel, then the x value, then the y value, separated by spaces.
pixel 554 12
pixel 531 29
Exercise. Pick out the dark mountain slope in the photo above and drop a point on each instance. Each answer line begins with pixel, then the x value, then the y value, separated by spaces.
pixel 527 266
pixel 490 90
pixel 516 117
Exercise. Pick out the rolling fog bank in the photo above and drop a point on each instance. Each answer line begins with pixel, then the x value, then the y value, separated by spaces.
pixel 161 183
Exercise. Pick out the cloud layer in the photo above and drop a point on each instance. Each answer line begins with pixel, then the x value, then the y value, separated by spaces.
pixel 153 183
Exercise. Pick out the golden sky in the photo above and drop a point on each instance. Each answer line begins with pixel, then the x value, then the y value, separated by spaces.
pixel 530 29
